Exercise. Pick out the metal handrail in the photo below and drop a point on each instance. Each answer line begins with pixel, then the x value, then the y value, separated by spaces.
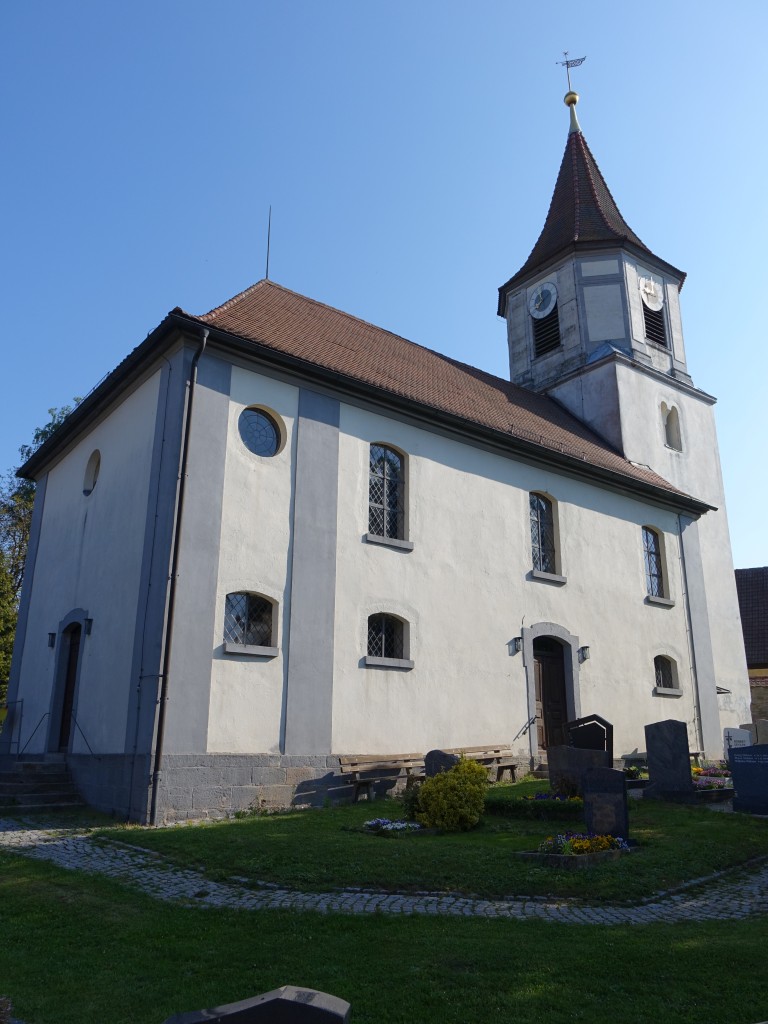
pixel 525 728
pixel 47 713
pixel 85 738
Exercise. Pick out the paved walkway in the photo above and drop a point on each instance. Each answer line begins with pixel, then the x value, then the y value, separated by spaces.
pixel 730 896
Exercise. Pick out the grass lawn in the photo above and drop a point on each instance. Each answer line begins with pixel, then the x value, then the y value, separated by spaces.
pixel 327 848
pixel 79 949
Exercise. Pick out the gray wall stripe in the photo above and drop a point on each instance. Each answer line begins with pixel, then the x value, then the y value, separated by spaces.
pixel 309 698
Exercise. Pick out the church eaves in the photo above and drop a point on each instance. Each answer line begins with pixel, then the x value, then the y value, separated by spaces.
pixel 582 215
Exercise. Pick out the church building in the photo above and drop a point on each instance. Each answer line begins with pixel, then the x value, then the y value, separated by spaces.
pixel 276 534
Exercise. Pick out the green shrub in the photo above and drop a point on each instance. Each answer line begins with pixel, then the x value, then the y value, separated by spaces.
pixel 453 801
pixel 409 798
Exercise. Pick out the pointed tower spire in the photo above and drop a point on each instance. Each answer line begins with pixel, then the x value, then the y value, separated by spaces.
pixel 582 214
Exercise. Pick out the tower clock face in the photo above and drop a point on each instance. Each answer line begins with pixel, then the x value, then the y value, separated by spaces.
pixel 543 300
pixel 652 291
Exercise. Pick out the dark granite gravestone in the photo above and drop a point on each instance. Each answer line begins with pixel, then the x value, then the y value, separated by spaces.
pixel 591 733
pixel 749 766
pixel 437 761
pixel 605 802
pixel 286 1005
pixel 669 761
pixel 568 766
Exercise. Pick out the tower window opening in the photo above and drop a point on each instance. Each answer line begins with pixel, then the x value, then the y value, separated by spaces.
pixel 546 333
pixel 654 325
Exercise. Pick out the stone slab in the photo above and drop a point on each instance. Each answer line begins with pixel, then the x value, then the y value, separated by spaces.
pixel 605 803
pixel 591 733
pixel 286 1005
pixel 437 761
pixel 749 766
pixel 736 739
pixel 761 731
pixel 568 766
pixel 669 761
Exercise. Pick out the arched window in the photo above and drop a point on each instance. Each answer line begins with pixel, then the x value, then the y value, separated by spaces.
pixel 385 636
pixel 386 493
pixel 248 620
pixel 666 674
pixel 542 534
pixel 671 420
pixel 654 572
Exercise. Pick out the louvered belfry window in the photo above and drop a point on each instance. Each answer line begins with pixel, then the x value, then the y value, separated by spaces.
pixel 542 533
pixel 385 636
pixel 654 575
pixel 248 620
pixel 546 333
pixel 386 493
pixel 654 325
pixel 663 669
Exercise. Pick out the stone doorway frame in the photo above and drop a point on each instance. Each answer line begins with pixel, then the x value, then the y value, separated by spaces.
pixel 570 670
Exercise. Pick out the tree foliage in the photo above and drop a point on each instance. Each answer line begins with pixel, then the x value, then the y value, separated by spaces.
pixel 17 498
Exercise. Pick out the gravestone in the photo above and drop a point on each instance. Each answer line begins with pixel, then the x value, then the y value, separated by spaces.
pixel 735 739
pixel 752 730
pixel 286 1005
pixel 761 731
pixel 669 761
pixel 749 766
pixel 568 766
pixel 591 733
pixel 605 802
pixel 437 761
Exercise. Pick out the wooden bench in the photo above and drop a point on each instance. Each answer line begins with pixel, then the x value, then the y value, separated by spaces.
pixel 497 759
pixel 363 771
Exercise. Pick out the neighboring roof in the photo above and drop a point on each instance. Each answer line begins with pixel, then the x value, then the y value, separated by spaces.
pixel 582 213
pixel 752 586
pixel 278 320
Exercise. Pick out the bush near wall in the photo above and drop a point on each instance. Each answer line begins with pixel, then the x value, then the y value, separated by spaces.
pixel 453 801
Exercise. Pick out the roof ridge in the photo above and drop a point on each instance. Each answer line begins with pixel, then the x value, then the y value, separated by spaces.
pixel 351 316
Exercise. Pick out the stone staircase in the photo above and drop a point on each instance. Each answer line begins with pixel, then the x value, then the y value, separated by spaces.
pixel 37 786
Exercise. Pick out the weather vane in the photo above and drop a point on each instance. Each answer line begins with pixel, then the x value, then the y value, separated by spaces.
pixel 568 64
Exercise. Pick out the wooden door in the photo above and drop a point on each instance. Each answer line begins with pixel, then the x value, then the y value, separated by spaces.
pixel 70 679
pixel 551 705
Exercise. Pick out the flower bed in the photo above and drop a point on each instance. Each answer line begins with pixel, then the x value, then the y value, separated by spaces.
pixel 577 844
pixel 573 851
pixel 389 827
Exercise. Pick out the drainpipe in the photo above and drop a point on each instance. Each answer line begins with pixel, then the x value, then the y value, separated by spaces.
pixel 691 645
pixel 171 602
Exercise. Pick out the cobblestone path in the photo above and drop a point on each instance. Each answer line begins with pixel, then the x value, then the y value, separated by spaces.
pixel 727 897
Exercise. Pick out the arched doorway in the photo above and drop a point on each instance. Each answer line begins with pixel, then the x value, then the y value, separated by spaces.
pixel 61 730
pixel 550 692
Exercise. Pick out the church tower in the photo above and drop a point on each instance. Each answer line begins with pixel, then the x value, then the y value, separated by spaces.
pixel 593 321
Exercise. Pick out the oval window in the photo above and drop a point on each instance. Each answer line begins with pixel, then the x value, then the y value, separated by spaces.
pixel 259 432
pixel 91 472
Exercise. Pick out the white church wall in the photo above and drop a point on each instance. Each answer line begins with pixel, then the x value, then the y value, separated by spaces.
pixel 90 557
pixel 255 545
pixel 466 589
pixel 695 470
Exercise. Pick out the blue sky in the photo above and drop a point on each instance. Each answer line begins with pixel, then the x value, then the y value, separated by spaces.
pixel 409 151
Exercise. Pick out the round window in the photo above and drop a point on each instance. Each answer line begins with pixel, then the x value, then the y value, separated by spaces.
pixel 260 433
pixel 91 472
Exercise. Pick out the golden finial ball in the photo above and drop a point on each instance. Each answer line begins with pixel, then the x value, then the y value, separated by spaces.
pixel 571 99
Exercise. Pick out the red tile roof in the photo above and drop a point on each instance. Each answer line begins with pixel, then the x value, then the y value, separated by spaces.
pixel 582 212
pixel 278 320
